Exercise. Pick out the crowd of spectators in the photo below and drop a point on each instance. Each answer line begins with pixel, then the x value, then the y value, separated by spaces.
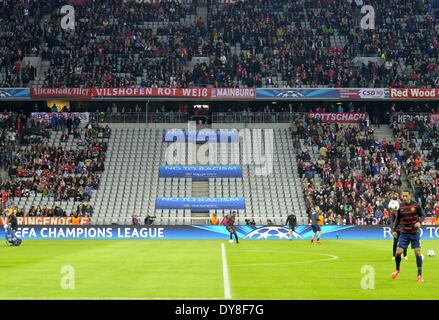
pixel 346 171
pixel 20 36
pixel 351 175
pixel 82 210
pixel 419 148
pixel 59 172
pixel 249 43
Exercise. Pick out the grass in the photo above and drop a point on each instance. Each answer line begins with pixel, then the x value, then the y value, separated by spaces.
pixel 192 269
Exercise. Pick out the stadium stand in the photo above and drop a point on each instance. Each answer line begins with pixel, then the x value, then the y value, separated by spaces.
pixel 296 43
pixel 313 163
pixel 134 158
pixel 46 170
pixel 347 171
pixel 419 150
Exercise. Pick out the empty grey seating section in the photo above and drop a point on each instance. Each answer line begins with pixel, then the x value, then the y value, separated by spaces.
pixel 130 183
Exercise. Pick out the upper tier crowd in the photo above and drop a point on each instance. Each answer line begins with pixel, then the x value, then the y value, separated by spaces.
pixel 254 43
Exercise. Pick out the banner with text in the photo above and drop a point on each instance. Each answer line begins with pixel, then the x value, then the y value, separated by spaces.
pixel 200 204
pixel 339 117
pixel 152 92
pixel 233 93
pixel 209 232
pixel 365 93
pixel 405 117
pixel 414 93
pixel 46 221
pixel 200 172
pixel 47 116
pixel 60 93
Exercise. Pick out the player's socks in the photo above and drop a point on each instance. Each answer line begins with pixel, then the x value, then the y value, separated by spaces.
pixel 419 265
pixel 398 262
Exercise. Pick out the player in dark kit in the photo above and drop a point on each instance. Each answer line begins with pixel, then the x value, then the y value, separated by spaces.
pixel 316 229
pixel 396 239
pixel 409 216
pixel 230 225
pixel 292 223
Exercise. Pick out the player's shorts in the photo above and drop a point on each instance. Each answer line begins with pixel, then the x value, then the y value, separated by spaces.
pixel 316 228
pixel 413 238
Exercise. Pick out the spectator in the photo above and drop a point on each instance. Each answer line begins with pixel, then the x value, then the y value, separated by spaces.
pixel 136 219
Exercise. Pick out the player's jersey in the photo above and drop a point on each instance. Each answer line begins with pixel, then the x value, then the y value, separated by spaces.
pixel 13 221
pixel 393 220
pixel 230 222
pixel 407 216
pixel 314 219
pixel 291 220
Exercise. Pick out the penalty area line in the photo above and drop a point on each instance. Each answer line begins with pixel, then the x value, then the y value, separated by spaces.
pixel 227 291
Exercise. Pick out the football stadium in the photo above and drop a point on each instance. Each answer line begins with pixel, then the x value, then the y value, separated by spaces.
pixel 219 150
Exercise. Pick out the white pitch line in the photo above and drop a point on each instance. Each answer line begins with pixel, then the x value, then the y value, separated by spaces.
pixel 332 258
pixel 227 291
pixel 111 298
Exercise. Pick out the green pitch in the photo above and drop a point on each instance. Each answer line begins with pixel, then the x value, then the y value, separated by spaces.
pixel 155 269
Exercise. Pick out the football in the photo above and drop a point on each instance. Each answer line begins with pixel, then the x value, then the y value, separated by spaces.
pixel 393 205
pixel 231 241
pixel 431 253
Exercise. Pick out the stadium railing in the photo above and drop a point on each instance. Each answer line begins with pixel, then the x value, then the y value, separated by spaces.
pixel 246 117
pixel 140 117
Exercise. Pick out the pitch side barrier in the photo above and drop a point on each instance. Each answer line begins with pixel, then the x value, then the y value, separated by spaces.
pixel 209 232
pixel 220 94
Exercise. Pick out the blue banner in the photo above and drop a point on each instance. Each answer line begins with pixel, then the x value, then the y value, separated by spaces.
pixel 212 232
pixel 298 93
pixel 10 94
pixel 201 136
pixel 200 204
pixel 200 172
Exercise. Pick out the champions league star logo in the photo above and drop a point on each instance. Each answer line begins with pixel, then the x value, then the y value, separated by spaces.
pixel 271 233
pixel 290 94
pixel 5 94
